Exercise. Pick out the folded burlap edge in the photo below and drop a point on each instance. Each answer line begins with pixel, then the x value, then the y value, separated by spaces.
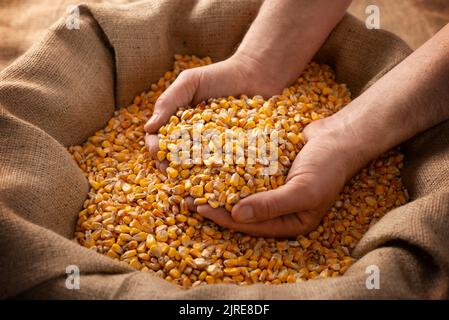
pixel 102 277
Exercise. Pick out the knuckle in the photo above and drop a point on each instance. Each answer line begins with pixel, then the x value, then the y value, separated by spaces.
pixel 186 75
pixel 310 222
pixel 269 208
pixel 160 102
pixel 228 223
pixel 311 196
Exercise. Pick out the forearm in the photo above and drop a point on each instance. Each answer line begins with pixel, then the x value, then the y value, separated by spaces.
pixel 287 33
pixel 411 98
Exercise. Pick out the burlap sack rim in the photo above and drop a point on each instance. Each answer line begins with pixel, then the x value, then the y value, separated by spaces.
pixel 133 274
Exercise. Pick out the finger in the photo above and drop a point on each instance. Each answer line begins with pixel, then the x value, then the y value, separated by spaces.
pixel 190 204
pixel 286 226
pixel 179 94
pixel 289 198
pixel 162 166
pixel 152 143
pixel 310 220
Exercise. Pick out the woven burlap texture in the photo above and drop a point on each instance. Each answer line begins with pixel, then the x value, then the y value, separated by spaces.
pixel 67 86
pixel 22 23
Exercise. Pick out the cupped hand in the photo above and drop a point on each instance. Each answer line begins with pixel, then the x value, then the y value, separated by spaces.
pixel 239 74
pixel 313 184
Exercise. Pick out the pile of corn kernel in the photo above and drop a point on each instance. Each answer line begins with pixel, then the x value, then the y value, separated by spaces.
pixel 136 214
pixel 244 145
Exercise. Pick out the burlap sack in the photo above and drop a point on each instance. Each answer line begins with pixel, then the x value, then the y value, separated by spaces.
pixel 22 23
pixel 67 86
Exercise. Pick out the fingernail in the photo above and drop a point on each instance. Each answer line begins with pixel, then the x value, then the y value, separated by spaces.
pixel 245 214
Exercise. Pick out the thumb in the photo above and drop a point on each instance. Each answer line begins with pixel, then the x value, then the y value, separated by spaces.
pixel 179 94
pixel 289 198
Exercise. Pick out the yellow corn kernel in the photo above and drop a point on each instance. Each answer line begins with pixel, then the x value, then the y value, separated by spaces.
pixel 231 271
pixel 100 152
pixel 178 190
pixel 235 179
pixel 197 191
pixel 293 137
pixel 127 188
pixel 161 155
pixel 172 173
pixel 135 263
pixel 129 254
pixel 174 273
pixel 200 201
pixel 155 251
pixel 209 187
pixel 112 254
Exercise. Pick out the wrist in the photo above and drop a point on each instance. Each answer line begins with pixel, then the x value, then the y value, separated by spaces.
pixel 342 135
pixel 262 75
